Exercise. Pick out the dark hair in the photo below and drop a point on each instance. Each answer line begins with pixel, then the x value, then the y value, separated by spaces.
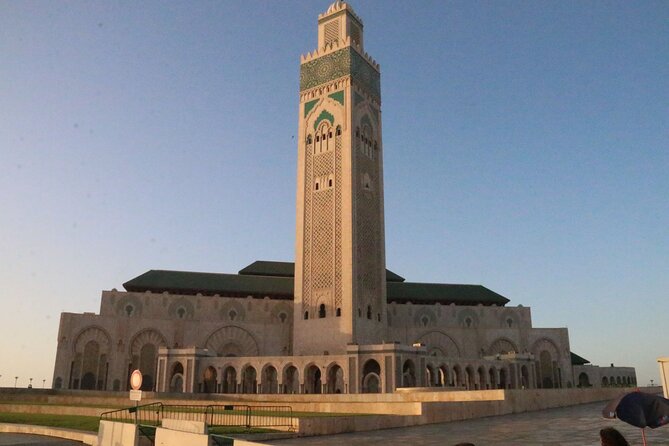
pixel 611 437
pixel 465 444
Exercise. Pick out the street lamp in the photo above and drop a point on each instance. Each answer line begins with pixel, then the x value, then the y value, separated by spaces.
pixel 30 386
pixel 43 382
pixel 16 378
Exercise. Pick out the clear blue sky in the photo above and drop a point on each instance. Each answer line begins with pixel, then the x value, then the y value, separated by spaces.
pixel 526 149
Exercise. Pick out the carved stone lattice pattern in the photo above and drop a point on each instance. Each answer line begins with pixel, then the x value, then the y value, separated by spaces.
pixel 322 237
pixel 149 336
pixel 368 233
pixel 92 334
pixel 501 346
pixel 322 224
pixel 306 248
pixel 232 341
pixel 338 228
pixel 440 343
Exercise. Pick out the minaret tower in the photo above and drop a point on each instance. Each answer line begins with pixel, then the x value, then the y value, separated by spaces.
pixel 340 286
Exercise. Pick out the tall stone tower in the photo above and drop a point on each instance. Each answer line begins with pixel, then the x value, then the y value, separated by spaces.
pixel 340 287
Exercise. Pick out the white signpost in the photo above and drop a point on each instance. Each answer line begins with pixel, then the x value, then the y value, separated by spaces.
pixel 135 393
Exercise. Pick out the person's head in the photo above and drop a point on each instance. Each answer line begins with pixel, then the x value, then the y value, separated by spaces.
pixel 611 437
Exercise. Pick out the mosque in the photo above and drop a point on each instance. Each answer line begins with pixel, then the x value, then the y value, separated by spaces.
pixel 336 320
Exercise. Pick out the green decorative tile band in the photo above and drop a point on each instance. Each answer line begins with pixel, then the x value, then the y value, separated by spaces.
pixel 341 63
pixel 324 115
pixel 308 106
pixel 338 96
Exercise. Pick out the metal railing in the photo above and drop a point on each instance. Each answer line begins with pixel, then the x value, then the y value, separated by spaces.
pixel 214 415
pixel 147 414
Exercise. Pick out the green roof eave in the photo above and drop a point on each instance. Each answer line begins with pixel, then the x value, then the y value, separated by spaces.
pixel 578 360
pixel 282 287
pixel 287 269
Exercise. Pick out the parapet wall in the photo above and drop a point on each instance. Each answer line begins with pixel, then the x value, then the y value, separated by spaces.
pixel 387 410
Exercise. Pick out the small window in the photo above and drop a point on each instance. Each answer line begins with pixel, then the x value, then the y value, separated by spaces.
pixel 181 312
pixel 232 314
pixel 369 312
pixel 330 134
pixel 338 131
pixel 509 322
pixel 330 182
pixel 425 320
pixel 129 309
pixel 309 139
pixel 468 322
pixel 357 132
pixel 316 185
pixel 378 317
pixel 318 138
pixel 321 311
pixel 283 317
pixel 338 312
pixel 306 315
pixel 359 312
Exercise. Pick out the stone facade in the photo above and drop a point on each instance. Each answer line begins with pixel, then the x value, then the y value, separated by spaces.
pixel 336 322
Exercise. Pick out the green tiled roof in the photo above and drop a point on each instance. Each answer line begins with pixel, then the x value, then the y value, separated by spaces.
pixel 421 293
pixel 287 269
pixel 578 360
pixel 275 279
pixel 232 285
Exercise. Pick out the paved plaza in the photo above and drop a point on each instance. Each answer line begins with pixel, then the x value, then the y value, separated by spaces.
pixel 570 426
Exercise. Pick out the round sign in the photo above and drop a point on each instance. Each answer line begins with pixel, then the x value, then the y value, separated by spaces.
pixel 136 380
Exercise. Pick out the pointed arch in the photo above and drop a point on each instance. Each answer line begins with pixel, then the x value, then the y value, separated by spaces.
pixel 439 343
pixel 232 341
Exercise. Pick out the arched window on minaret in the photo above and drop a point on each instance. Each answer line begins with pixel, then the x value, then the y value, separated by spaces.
pixel 324 133
pixel 306 315
pixel 369 312
pixel 338 131
pixel 309 139
pixel 321 311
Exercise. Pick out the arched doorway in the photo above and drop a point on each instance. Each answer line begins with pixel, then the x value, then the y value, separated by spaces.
pixel 229 380
pixel 249 380
pixel 209 380
pixel 177 378
pixel 458 376
pixel 335 381
pixel 470 378
pixel 546 369
pixel 291 380
pixel 90 366
pixel 492 378
pixel 270 380
pixel 443 376
pixel 524 378
pixel 583 380
pixel 371 377
pixel 312 380
pixel 503 380
pixel 409 374
pixel 431 377
pixel 147 364
pixel 482 384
